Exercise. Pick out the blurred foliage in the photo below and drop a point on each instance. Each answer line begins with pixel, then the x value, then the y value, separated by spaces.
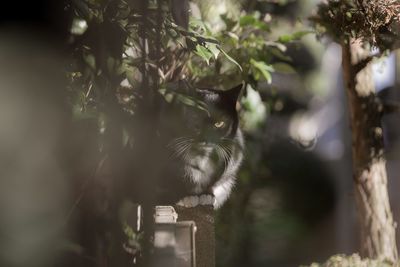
pixel 351 261
pixel 283 195
pixel 107 49
pixel 240 41
pixel 375 22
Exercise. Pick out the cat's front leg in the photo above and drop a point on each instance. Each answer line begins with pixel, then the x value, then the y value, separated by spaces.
pixel 222 190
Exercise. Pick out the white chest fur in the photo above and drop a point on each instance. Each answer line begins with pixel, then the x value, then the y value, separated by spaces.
pixel 200 170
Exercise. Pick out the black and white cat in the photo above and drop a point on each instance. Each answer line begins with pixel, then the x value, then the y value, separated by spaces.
pixel 206 145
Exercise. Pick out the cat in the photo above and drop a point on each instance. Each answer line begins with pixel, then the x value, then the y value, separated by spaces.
pixel 205 145
pixel 193 154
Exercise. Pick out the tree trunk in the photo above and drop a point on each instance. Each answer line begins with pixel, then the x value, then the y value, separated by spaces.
pixel 369 172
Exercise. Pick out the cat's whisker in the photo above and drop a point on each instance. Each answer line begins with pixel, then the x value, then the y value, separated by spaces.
pixel 227 156
pixel 176 142
pixel 180 146
pixel 230 143
pixel 226 150
pixel 222 154
pixel 181 138
pixel 185 154
pixel 186 147
pixel 179 141
pixel 181 149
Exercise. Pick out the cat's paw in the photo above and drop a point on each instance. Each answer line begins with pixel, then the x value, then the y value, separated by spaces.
pixel 189 202
pixel 206 200
pixel 193 201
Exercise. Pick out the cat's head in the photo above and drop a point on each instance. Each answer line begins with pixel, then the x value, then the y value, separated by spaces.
pixel 210 119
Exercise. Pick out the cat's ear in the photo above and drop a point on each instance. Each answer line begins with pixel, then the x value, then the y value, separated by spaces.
pixel 232 94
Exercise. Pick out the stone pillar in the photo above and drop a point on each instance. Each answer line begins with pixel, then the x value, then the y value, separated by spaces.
pixel 203 216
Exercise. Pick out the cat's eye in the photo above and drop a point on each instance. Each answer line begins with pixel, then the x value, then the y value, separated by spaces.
pixel 219 124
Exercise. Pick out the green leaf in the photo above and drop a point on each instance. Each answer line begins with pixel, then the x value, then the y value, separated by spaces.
pixel 125 137
pixel 197 25
pixel 283 68
pixel 131 73
pixel 79 26
pixel 171 96
pixel 251 20
pixel 230 23
pixel 279 46
pixel 230 58
pixel 111 62
pixel 263 68
pixel 247 20
pixel 208 39
pixel 292 37
pixel 90 60
pixel 214 49
pixel 193 102
pixel 255 110
pixel 233 35
pixel 204 53
pixel 279 54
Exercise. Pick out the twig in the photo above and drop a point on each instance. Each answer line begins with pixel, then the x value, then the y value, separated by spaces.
pixel 83 189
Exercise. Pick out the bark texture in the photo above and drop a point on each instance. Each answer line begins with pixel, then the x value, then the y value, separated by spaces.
pixel 377 227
